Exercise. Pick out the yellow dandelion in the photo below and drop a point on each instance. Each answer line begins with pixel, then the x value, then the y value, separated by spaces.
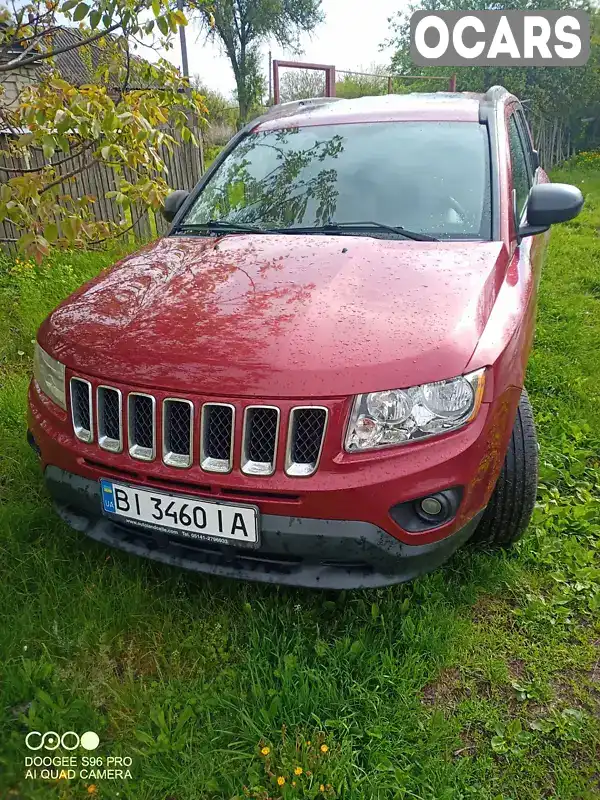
pixel 281 780
pixel 321 788
pixel 92 789
pixel 298 771
pixel 308 743
pixel 324 748
pixel 265 751
pixel 293 783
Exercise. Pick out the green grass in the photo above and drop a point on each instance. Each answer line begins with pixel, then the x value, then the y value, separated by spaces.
pixel 481 680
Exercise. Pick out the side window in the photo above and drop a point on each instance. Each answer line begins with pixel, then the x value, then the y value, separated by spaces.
pixel 520 175
pixel 528 144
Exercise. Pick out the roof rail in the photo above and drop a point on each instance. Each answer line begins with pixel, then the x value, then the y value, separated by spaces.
pixel 493 96
pixel 287 109
pixel 495 93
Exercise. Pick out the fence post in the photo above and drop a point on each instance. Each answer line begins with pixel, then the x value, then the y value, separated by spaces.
pixel 452 85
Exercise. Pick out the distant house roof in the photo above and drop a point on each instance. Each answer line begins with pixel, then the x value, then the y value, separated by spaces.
pixel 80 65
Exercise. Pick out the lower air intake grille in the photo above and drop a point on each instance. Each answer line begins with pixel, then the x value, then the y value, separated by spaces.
pixel 217 437
pixel 260 440
pixel 81 409
pixel 307 429
pixel 177 432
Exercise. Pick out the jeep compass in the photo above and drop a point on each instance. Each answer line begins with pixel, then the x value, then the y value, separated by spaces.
pixel 316 377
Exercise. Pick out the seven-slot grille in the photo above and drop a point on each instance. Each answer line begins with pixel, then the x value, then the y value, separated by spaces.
pixel 260 436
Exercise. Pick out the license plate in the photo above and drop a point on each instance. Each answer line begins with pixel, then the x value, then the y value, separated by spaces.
pixel 180 515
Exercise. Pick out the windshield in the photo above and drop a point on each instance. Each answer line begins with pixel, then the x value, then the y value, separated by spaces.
pixel 428 177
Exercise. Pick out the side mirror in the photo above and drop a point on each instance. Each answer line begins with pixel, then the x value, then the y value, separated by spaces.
pixel 173 203
pixel 548 204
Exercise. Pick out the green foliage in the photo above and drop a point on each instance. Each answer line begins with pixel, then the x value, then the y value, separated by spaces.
pixel 354 85
pixel 221 115
pixel 243 26
pixel 297 84
pixel 210 153
pixel 77 128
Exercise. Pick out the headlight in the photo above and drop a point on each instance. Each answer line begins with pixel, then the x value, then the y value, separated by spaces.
pixel 396 416
pixel 50 375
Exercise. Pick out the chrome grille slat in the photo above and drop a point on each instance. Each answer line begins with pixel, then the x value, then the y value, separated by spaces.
pixel 216 443
pixel 306 434
pixel 81 409
pixel 259 440
pixel 178 432
pixel 110 423
pixel 141 426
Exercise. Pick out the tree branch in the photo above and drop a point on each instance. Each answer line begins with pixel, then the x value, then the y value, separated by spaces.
pixel 23 62
pixel 120 233
pixel 51 164
pixel 67 175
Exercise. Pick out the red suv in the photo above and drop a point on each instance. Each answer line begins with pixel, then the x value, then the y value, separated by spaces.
pixel 316 378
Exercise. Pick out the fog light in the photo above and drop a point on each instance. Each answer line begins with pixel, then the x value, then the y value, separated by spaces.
pixel 431 506
pixel 431 511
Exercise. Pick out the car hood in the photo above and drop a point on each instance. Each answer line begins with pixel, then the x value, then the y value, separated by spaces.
pixel 281 316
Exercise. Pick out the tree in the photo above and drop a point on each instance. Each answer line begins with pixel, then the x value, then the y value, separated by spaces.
pixel 57 130
pixel 242 25
pixel 558 100
pixel 297 84
pixel 361 84
pixel 221 114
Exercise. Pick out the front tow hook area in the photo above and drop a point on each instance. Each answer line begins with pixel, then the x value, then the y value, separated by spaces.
pixel 33 444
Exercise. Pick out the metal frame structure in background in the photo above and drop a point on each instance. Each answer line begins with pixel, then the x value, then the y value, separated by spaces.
pixel 328 69
pixel 330 77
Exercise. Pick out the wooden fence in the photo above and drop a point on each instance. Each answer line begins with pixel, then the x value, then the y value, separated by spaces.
pixel 185 165
pixel 552 139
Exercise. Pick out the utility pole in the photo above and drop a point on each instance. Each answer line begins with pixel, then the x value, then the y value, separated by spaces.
pixel 185 68
pixel 184 57
pixel 270 79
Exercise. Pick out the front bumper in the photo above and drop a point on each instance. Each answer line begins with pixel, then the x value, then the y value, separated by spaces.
pixel 296 551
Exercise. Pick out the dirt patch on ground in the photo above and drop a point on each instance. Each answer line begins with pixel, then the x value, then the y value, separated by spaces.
pixel 468 745
pixel 516 668
pixel 446 690
pixel 492 610
pixel 595 670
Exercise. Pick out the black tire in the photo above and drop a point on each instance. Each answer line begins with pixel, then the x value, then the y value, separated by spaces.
pixel 508 513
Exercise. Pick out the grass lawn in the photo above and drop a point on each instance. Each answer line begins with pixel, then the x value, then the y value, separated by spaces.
pixel 481 680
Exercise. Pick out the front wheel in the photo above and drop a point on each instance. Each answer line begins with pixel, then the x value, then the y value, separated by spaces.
pixel 511 505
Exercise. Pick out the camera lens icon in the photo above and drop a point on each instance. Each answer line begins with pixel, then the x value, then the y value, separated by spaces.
pixel 89 740
pixel 69 740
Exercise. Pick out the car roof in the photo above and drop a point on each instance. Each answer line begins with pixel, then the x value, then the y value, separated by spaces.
pixel 417 106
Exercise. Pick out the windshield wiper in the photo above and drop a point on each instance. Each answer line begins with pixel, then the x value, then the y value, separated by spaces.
pixel 335 227
pixel 226 226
